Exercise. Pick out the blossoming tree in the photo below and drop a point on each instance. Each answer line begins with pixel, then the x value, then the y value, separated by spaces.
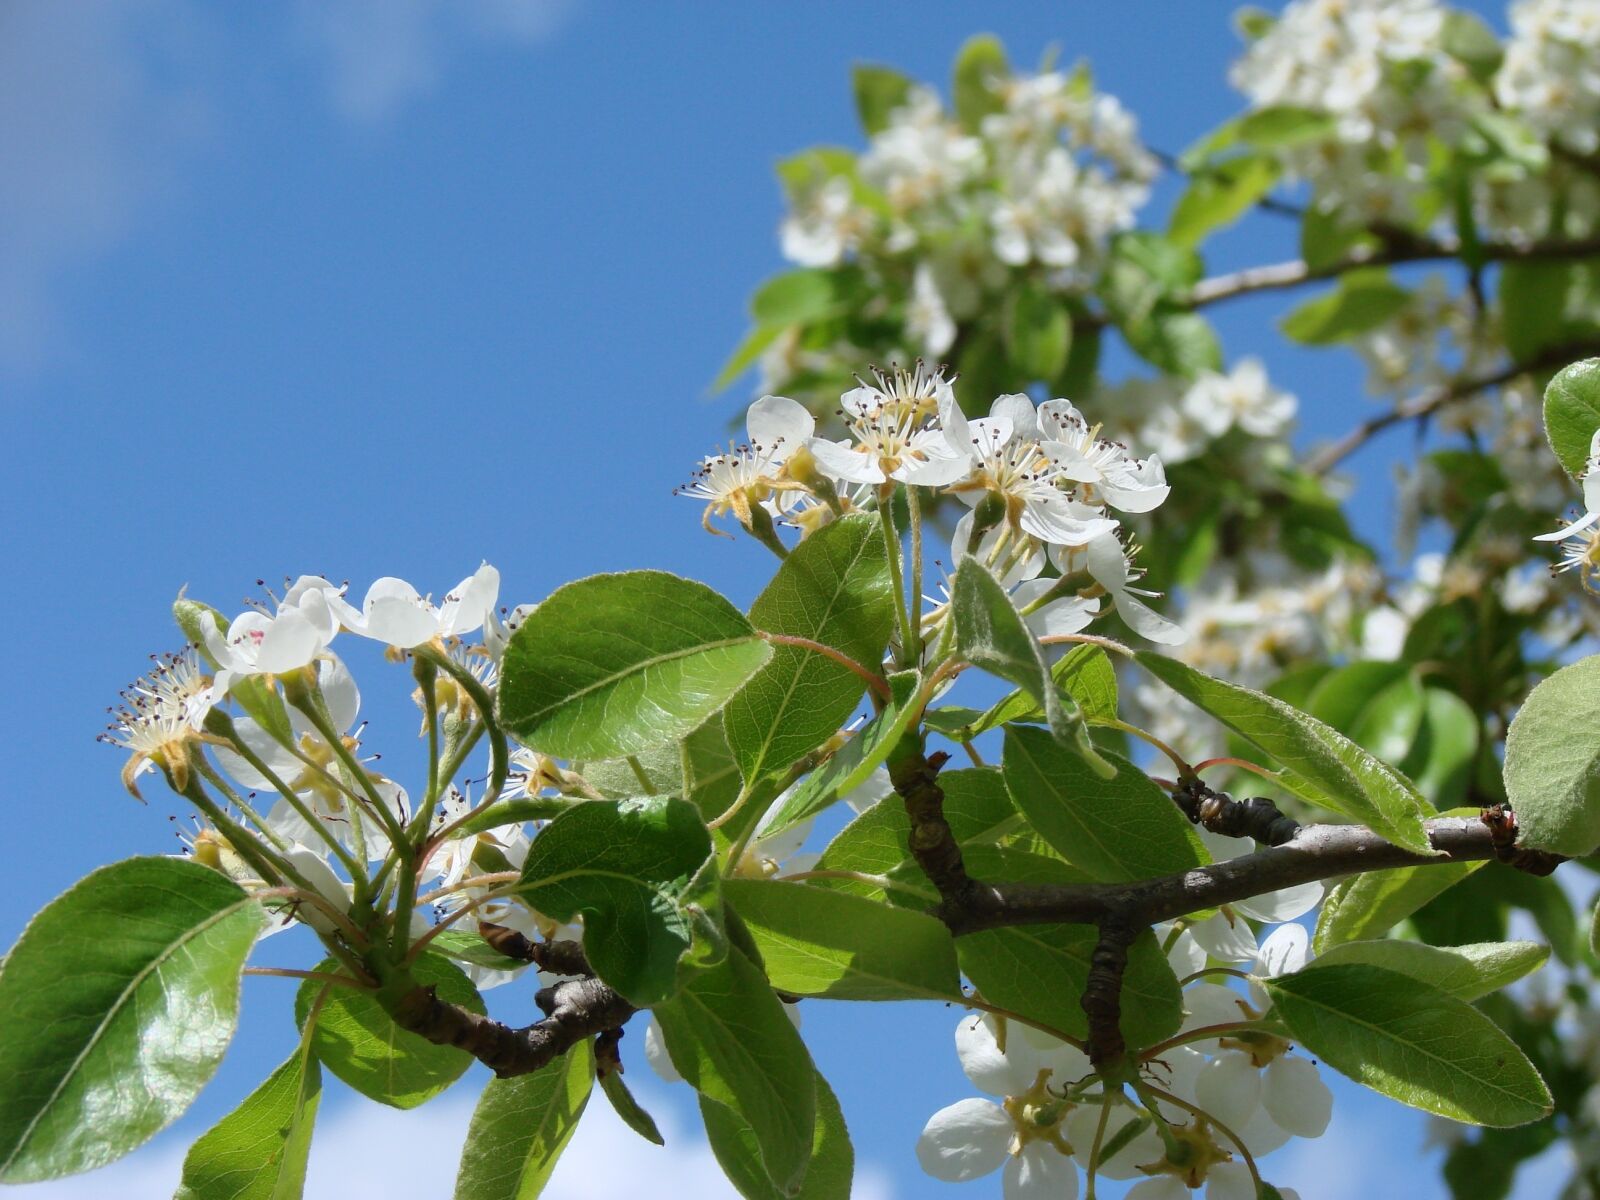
pixel 1244 810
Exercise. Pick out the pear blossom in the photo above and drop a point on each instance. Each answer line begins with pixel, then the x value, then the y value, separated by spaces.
pixel 1107 562
pixel 262 643
pixel 1242 398
pixel 395 613
pixel 160 711
pixel 770 852
pixel 1581 549
pixel 1023 1134
pixel 893 433
pixel 1103 471
pixel 1007 460
pixel 743 476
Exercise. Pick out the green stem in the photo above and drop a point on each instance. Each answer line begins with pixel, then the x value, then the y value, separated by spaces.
pixel 357 869
pixel 499 748
pixel 641 775
pixel 217 781
pixel 891 543
pixel 914 599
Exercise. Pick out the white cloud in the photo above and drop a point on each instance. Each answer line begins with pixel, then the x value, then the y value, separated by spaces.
pixel 363 1149
pixel 88 137
pixel 381 53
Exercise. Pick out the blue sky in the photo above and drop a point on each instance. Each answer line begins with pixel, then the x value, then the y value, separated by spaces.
pixel 367 289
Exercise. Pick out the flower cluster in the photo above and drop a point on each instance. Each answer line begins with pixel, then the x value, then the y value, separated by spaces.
pixel 1043 483
pixel 1239 1092
pixel 294 800
pixel 1401 78
pixel 1043 181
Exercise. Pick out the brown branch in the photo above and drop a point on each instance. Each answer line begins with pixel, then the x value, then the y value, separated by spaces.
pixel 574 1010
pixel 915 777
pixel 1317 852
pixel 1102 993
pixel 1426 403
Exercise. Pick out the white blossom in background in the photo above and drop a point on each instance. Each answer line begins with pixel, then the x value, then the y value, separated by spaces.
pixel 1550 75
pixel 1242 398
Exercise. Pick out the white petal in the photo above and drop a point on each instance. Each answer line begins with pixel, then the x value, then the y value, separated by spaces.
pixel 940 469
pixel 1286 904
pixel 1040 1172
pixel 1163 1187
pixel 841 461
pixel 1065 615
pixel 964 1141
pixel 1186 956
pixel 1144 1147
pixel 655 1053
pixel 1018 413
pixel 470 602
pixel 1222 846
pixel 874 788
pixel 1285 950
pixel 779 426
pixel 1578 526
pixel 291 641
pixel 1230 1181
pixel 1208 1004
pixel 1261 1134
pixel 999 1074
pixel 390 588
pixel 1229 1088
pixel 1231 941
pixel 1050 521
pixel 399 622
pixel 339 691
pixel 957 429
pixel 1296 1098
pixel 1148 623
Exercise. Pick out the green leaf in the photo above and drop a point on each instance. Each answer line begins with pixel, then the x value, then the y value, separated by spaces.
pixel 878 91
pixel 1038 332
pixel 1117 829
pixel 1319 763
pixel 259 1150
pixel 521 1126
pixel 1466 972
pixel 1361 302
pixel 1179 342
pixel 1441 763
pixel 1572 413
pixel 1544 305
pixel 515 812
pixel 470 948
pixel 615 664
pixel 750 348
pixel 816 942
pixel 864 753
pixel 1325 240
pixel 1274 128
pixel 991 635
pixel 360 1043
pixel 796 297
pixel 115 1007
pixel 637 872
pixel 1084 673
pixel 738 1153
pixel 1468 40
pixel 1552 766
pixel 727 1034
pixel 1412 1042
pixel 1594 932
pixel 981 64
pixel 1220 195
pixel 992 834
pixel 1369 905
pixel 700 768
pixel 630 1110
pixel 1040 972
pixel 833 589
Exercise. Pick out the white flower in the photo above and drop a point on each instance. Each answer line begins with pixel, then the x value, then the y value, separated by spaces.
pixel 928 318
pixel 395 613
pixel 259 643
pixel 1103 470
pixel 973 1137
pixel 1242 398
pixel 1006 459
pixel 1581 552
pixel 894 437
pixel 825 224
pixel 769 853
pixel 1107 562
pixel 160 711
